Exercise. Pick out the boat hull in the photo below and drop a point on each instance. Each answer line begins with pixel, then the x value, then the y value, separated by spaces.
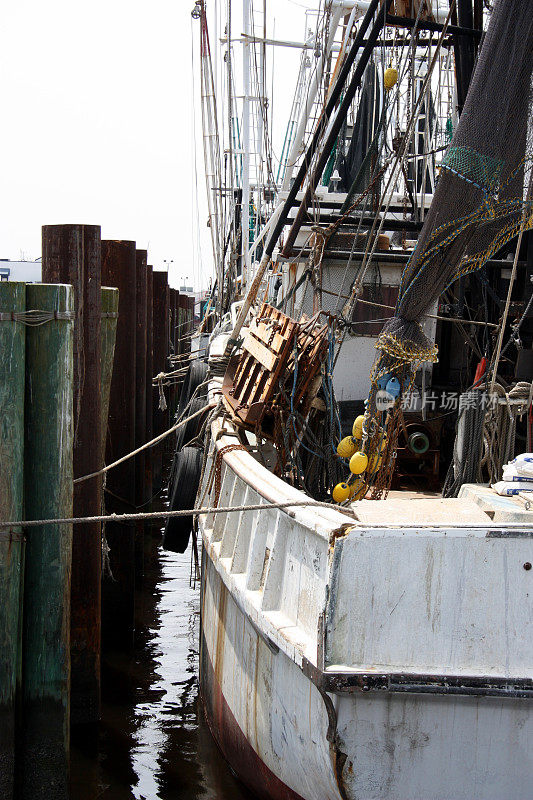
pixel 271 724
pixel 345 661
pixel 268 719
pixel 232 741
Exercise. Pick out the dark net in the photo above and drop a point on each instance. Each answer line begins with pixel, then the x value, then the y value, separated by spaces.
pixel 483 196
pixel 479 200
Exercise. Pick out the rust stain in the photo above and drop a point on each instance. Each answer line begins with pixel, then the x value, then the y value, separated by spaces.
pixel 338 533
pixel 221 632
pixel 236 747
pixel 256 688
pixel 264 570
pixel 339 760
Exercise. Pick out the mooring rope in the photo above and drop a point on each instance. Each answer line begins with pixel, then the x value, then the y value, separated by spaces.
pixel 145 445
pixel 33 523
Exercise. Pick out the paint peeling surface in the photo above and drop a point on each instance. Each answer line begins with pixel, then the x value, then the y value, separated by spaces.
pixel 349 661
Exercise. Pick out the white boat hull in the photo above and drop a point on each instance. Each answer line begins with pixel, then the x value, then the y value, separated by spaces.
pixel 331 669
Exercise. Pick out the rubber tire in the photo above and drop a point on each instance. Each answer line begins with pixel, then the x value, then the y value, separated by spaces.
pixel 190 429
pixel 186 482
pixel 196 374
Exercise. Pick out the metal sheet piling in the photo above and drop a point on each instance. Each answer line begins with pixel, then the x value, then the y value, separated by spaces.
pixel 140 406
pixel 182 301
pixel 48 494
pixel 149 376
pixel 160 343
pixel 12 347
pixel 173 345
pixel 118 587
pixel 72 254
pixel 190 326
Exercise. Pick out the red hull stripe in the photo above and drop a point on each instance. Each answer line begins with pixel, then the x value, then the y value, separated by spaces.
pixel 235 747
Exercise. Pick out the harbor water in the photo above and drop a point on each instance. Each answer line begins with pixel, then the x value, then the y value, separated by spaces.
pixel 153 742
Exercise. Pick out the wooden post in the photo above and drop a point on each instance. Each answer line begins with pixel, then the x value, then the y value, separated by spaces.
pixel 149 376
pixel 140 406
pixel 108 333
pixel 160 337
pixel 118 587
pixel 12 343
pixel 71 254
pixel 48 492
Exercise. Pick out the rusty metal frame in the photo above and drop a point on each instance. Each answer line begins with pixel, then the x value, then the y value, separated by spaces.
pixel 341 682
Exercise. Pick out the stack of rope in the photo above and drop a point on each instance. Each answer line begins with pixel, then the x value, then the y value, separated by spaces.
pixel 500 427
pixel 487 437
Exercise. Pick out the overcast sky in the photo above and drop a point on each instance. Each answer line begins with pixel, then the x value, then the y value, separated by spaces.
pixel 97 122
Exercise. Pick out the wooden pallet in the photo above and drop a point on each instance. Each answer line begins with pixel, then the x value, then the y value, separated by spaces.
pixel 266 349
pixel 259 387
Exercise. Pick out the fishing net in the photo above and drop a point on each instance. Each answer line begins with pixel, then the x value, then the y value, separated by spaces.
pixel 354 152
pixel 482 199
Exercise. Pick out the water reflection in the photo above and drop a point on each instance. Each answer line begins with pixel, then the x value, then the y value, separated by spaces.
pixel 153 742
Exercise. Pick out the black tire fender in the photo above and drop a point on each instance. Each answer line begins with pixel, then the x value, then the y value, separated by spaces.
pixel 188 462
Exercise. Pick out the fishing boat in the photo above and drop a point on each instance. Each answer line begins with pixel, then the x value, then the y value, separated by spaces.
pixel 366 594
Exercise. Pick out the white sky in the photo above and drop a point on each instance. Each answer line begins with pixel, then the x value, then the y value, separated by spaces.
pixel 97 122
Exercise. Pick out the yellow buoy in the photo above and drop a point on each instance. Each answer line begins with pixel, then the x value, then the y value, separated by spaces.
pixel 390 77
pixel 358 463
pixel 357 489
pixel 357 430
pixel 346 447
pixel 341 492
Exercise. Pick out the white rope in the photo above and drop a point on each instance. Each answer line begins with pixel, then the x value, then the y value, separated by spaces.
pixel 144 446
pixel 348 512
pixel 169 514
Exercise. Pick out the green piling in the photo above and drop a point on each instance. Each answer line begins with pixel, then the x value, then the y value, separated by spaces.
pixel 12 346
pixel 48 491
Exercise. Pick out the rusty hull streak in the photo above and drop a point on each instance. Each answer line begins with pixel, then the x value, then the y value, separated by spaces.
pixel 234 745
pixel 339 533
pixel 338 757
pixel 225 729
pixel 221 632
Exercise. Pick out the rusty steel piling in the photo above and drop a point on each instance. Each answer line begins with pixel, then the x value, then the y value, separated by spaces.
pixel 172 342
pixel 181 327
pixel 160 346
pixel 108 333
pixel 72 254
pixel 140 406
pixel 149 376
pixel 118 587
